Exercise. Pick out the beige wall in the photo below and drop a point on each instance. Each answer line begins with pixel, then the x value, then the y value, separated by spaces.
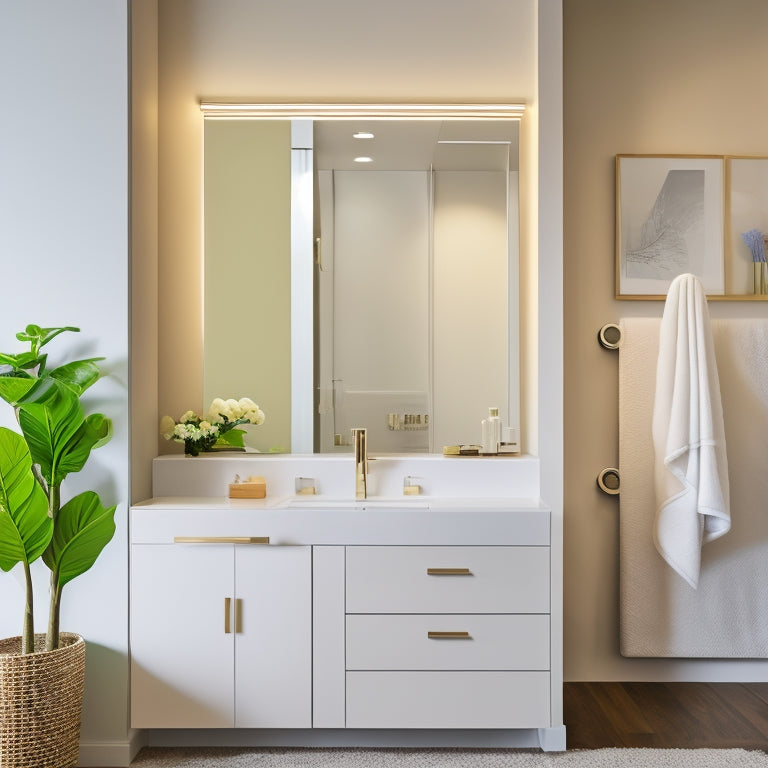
pixel 647 77
pixel 143 273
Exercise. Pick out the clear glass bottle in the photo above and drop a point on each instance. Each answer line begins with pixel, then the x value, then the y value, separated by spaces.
pixel 491 432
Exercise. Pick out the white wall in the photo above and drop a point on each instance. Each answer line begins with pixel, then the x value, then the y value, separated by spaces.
pixel 380 304
pixel 64 256
pixel 470 295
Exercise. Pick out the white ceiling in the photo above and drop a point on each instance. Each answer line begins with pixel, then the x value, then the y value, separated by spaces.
pixel 413 144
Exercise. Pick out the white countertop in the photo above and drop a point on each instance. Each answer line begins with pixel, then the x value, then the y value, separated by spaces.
pixel 417 521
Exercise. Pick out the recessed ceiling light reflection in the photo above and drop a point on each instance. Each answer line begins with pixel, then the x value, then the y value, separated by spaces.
pixel 364 159
pixel 363 135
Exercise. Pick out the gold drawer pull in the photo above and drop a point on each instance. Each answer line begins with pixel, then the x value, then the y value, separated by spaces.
pixel 221 539
pixel 449 635
pixel 227 615
pixel 449 572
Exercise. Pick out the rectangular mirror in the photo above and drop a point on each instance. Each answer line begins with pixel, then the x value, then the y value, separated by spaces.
pixel 342 293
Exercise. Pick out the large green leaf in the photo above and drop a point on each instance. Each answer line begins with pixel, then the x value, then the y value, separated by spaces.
pixel 83 528
pixel 13 389
pixel 78 375
pixel 25 528
pixel 48 427
pixel 95 431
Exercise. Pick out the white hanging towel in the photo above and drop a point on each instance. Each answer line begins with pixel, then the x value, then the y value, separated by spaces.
pixel 690 464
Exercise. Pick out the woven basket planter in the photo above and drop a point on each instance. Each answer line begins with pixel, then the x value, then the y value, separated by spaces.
pixel 41 698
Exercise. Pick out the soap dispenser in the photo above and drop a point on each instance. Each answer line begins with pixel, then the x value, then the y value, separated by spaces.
pixel 491 432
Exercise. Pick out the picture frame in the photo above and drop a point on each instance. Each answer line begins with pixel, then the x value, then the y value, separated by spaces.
pixel 670 220
pixel 746 209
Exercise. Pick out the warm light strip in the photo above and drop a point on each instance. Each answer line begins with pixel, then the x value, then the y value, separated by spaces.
pixel 357 111
pixel 467 141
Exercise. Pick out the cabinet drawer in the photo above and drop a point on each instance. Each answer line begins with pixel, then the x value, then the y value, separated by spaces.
pixel 448 700
pixel 404 642
pixel 447 579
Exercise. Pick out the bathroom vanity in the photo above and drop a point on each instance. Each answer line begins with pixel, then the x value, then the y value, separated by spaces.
pixel 352 621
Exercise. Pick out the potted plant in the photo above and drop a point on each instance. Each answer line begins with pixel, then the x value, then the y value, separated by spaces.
pixel 42 676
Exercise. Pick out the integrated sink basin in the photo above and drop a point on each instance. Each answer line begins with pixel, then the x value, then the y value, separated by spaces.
pixel 321 502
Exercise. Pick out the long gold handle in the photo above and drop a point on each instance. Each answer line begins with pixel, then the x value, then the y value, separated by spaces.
pixel 238 615
pixel 449 572
pixel 449 635
pixel 221 539
pixel 227 615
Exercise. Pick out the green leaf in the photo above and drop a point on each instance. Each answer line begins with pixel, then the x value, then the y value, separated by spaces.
pixel 8 359
pixel 27 360
pixel 78 375
pixel 234 437
pixel 25 528
pixel 83 528
pixel 94 432
pixel 13 389
pixel 48 427
pixel 34 333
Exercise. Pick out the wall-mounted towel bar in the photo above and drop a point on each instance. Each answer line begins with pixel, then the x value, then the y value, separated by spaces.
pixel 609 336
pixel 608 481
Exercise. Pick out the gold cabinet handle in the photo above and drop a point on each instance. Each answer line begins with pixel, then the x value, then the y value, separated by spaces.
pixel 221 539
pixel 449 572
pixel 238 615
pixel 449 635
pixel 227 615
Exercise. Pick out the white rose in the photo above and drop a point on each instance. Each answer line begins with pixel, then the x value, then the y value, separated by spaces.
pixel 208 430
pixel 217 408
pixel 188 416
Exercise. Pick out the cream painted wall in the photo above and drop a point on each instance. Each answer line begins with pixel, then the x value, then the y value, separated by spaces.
pixel 402 51
pixel 640 76
pixel 144 297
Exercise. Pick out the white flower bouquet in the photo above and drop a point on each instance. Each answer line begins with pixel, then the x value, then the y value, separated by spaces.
pixel 218 428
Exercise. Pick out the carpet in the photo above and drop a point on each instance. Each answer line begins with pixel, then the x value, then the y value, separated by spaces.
pixel 246 757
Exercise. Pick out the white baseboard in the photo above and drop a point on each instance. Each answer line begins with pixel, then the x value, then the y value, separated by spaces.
pixel 111 754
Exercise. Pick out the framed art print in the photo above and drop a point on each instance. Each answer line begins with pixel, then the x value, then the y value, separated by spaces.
pixel 669 221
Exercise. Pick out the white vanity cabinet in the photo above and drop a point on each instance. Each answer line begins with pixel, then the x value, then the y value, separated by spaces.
pixel 221 634
pixel 350 623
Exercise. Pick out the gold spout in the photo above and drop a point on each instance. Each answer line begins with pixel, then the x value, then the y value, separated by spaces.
pixel 361 462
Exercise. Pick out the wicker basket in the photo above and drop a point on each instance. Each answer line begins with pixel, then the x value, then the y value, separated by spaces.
pixel 41 698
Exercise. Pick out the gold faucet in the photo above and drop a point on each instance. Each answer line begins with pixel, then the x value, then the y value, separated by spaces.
pixel 361 462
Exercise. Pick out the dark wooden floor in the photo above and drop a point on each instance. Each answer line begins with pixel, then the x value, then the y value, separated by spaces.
pixel 685 715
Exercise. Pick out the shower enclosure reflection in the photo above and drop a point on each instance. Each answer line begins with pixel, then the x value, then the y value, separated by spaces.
pixel 400 302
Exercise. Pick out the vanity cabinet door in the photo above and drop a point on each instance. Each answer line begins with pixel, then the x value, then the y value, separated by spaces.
pixel 221 636
pixel 181 653
pixel 273 640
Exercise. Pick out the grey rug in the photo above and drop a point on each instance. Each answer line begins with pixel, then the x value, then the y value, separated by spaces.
pixel 246 757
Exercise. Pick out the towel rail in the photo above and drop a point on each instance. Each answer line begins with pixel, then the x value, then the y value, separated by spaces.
pixel 609 481
pixel 610 336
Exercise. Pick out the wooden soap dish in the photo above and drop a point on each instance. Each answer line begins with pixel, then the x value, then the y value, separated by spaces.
pixel 253 488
